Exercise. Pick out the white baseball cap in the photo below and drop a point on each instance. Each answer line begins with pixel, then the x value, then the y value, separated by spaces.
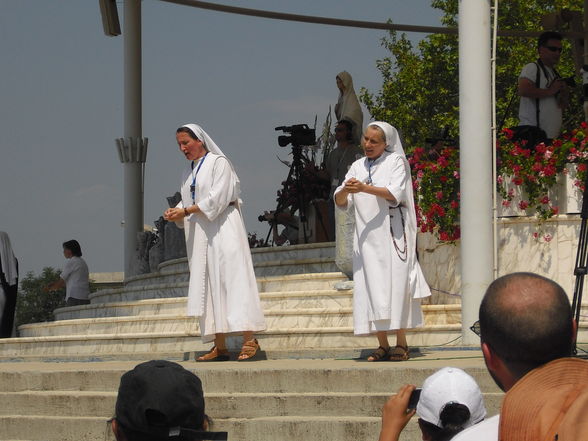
pixel 450 385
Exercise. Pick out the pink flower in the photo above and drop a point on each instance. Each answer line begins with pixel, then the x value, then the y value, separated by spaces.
pixel 506 203
pixel 500 180
pixel 439 195
pixel 548 237
pixel 420 174
pixel 544 200
pixel 456 174
pixel 523 205
pixel 535 235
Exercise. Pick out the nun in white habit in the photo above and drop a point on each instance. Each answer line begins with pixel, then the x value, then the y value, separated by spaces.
pixel 388 279
pixel 222 290
pixel 347 106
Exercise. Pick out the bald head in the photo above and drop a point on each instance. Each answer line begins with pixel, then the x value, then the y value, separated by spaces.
pixel 527 320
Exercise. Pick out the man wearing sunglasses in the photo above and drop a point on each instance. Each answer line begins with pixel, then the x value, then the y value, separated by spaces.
pixel 543 93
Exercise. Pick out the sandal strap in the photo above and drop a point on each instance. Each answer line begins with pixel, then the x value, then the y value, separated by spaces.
pixel 250 346
pixel 214 353
pixel 249 349
pixel 379 353
pixel 399 353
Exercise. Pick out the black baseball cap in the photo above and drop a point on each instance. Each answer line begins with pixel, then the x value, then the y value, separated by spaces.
pixel 162 399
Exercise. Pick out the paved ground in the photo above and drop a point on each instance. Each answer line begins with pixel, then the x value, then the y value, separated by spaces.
pixel 426 358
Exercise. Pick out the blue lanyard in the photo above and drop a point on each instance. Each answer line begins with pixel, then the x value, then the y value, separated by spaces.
pixel 193 186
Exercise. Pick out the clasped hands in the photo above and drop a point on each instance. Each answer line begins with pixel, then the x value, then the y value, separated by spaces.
pixel 174 214
pixel 352 185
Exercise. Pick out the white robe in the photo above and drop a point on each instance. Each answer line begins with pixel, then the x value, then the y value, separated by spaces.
pixel 387 288
pixel 222 290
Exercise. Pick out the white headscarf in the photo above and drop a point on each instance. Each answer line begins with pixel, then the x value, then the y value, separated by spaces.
pixel 392 138
pixel 8 259
pixel 209 144
pixel 348 107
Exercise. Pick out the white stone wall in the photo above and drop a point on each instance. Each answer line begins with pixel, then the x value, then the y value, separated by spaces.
pixel 518 250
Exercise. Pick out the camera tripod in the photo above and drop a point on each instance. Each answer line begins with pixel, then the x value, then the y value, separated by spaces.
pixel 581 266
pixel 294 177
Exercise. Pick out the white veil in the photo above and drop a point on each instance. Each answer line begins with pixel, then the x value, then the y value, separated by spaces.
pixel 209 144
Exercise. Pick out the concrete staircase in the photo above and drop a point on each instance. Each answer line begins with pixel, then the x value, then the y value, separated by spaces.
pixel 304 312
pixel 58 381
pixel 273 400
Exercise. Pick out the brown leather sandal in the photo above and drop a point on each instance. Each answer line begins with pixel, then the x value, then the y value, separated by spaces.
pixel 215 354
pixel 399 353
pixel 379 354
pixel 249 350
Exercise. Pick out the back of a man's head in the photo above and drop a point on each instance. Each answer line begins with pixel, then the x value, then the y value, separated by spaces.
pixel 526 319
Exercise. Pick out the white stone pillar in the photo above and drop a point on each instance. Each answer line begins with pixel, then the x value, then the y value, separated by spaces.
pixel 134 163
pixel 475 120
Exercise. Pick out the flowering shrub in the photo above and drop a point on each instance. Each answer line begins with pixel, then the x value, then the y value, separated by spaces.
pixel 436 186
pixel 535 169
pixel 436 179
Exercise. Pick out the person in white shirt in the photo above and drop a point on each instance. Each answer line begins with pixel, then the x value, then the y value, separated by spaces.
pixel 541 104
pixel 74 277
pixel 449 402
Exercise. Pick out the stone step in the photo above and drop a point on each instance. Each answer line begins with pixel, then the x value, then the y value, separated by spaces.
pixel 271 261
pixel 239 429
pixel 161 285
pixel 298 318
pixel 177 305
pixel 218 405
pixel 125 345
pixel 265 401
pixel 296 266
pixel 265 377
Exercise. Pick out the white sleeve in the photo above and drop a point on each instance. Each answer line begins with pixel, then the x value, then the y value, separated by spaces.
pixel 351 173
pixel 529 72
pixel 398 179
pixel 221 190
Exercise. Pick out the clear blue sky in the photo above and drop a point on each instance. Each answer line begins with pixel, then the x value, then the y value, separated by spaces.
pixel 61 106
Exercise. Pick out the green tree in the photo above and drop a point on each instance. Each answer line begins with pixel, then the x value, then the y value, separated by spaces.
pixel 33 305
pixel 420 90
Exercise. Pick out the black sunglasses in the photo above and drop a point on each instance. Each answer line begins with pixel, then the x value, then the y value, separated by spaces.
pixel 554 48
